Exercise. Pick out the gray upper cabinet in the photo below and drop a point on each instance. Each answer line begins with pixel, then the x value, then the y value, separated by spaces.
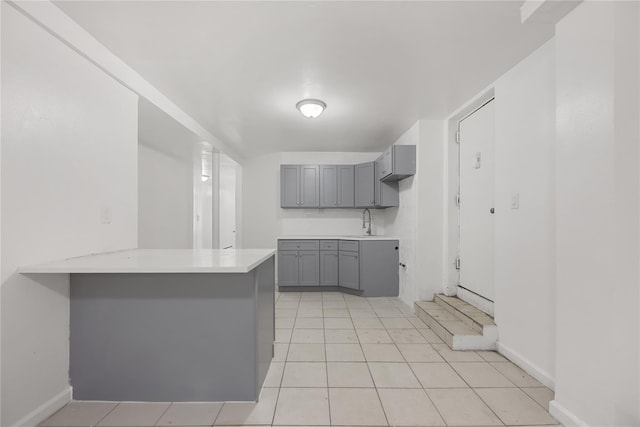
pixel 386 194
pixel 365 177
pixel 299 186
pixel 397 162
pixel 290 186
pixel 337 186
pixel 366 185
pixel 346 186
pixel 309 186
pixel 328 186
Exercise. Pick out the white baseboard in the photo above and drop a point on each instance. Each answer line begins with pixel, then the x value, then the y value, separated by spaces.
pixel 45 410
pixel 566 417
pixel 527 366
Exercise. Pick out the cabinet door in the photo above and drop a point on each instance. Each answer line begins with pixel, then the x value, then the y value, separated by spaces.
pixel 309 186
pixel 386 164
pixel 290 186
pixel 288 268
pixel 346 186
pixel 349 270
pixel 328 186
pixel 364 185
pixel 329 268
pixel 387 194
pixel 376 182
pixel 309 268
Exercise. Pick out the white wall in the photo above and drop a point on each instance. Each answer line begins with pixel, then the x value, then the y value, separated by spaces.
pixel 402 222
pixel 418 221
pixel 524 253
pixel 69 149
pixel 165 200
pixel 431 173
pixel 597 192
pixel 263 219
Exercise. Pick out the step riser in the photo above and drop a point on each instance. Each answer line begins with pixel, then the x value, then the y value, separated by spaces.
pixel 459 314
pixel 486 341
pixel 435 326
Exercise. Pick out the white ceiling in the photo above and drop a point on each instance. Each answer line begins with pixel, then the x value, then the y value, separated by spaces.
pixel 240 67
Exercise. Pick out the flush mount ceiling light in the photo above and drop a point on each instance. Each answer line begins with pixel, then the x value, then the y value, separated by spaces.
pixel 311 108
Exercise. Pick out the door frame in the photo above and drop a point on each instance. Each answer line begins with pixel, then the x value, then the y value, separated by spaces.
pixel 452 241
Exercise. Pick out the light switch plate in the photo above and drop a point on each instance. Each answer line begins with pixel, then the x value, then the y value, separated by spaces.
pixel 105 215
pixel 515 201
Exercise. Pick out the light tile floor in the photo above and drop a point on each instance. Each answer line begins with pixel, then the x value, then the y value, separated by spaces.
pixel 343 360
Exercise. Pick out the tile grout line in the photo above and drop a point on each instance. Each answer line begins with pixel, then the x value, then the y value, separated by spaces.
pixel 163 412
pixel 286 357
pixel 386 417
pixel 326 361
pixel 105 415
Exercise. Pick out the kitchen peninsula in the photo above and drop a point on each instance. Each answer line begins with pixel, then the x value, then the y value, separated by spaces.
pixel 169 325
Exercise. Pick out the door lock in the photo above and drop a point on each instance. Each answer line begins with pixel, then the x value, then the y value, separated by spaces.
pixel 492 211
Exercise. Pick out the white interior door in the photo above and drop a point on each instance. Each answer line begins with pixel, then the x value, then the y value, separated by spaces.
pixel 227 202
pixel 476 202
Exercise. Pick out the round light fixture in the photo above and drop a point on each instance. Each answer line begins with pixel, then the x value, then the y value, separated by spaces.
pixel 311 108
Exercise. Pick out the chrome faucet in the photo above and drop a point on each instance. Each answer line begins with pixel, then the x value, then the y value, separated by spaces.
pixel 365 221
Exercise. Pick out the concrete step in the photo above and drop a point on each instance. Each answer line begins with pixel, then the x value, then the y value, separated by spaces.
pixel 460 325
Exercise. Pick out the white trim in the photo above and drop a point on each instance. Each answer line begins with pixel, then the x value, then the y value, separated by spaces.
pixel 566 417
pixel 45 410
pixel 528 366
pixel 55 21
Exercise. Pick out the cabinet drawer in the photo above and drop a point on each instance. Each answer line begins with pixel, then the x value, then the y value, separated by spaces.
pixel 298 245
pixel 328 245
pixel 349 245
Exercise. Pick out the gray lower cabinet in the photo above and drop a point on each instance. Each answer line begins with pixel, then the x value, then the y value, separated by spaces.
pixel 349 270
pixel 328 268
pixel 379 262
pixel 298 263
pixel 309 268
pixel 367 266
pixel 288 271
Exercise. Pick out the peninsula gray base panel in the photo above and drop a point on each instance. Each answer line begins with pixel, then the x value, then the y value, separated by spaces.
pixel 171 337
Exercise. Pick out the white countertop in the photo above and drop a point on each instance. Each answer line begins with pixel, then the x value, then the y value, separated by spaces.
pixel 159 261
pixel 364 237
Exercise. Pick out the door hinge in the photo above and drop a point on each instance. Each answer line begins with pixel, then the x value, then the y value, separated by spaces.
pixel 458 199
pixel 458 137
pixel 457 263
